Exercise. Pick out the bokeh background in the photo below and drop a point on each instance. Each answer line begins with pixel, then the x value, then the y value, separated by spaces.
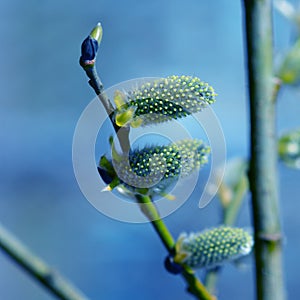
pixel 44 91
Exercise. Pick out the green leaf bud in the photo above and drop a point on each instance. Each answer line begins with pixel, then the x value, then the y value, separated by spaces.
pixel 289 71
pixel 97 33
pixel 289 148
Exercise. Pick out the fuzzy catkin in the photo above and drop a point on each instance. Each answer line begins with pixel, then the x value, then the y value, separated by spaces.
pixel 213 247
pixel 168 98
pixel 156 164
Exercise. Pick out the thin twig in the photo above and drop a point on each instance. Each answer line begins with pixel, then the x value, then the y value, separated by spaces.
pixel 233 208
pixel 195 286
pixel 37 268
pixel 96 83
pixel 211 279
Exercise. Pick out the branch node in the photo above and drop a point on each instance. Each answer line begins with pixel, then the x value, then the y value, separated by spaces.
pixel 270 237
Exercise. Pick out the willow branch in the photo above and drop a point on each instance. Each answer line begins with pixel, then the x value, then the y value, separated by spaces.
pixel 39 270
pixel 195 286
pixel 263 164
pixel 96 83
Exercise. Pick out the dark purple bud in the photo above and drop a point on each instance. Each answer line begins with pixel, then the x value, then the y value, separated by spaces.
pixel 104 175
pixel 89 48
pixel 172 267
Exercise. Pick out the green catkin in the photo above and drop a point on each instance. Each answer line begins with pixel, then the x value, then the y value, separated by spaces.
pixel 168 98
pixel 161 164
pixel 212 247
pixel 181 157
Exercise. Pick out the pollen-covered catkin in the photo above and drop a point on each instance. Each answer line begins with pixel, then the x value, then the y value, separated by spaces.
pixel 212 247
pixel 154 164
pixel 168 98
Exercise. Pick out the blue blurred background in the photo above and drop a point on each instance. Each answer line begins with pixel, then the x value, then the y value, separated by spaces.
pixel 44 91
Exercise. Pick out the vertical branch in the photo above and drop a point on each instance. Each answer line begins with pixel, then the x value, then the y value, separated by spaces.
pixel 263 166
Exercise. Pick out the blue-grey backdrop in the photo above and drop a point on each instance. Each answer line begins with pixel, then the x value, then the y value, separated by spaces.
pixel 43 92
